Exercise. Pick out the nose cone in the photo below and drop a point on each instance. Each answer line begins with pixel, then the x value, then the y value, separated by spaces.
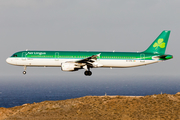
pixel 8 60
pixel 11 61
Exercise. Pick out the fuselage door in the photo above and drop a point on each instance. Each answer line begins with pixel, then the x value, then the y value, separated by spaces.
pixel 142 57
pixel 24 56
pixel 56 56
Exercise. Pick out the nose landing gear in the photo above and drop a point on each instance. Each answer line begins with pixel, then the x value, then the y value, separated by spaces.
pixel 24 72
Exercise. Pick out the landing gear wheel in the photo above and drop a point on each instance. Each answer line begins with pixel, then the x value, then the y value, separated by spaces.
pixel 88 73
pixel 24 72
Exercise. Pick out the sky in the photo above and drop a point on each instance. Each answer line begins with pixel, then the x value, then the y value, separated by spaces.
pixel 93 25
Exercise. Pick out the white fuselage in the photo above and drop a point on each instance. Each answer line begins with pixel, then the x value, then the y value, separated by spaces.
pixel 46 62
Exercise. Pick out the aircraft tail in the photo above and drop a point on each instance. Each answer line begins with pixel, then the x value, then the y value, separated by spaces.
pixel 160 43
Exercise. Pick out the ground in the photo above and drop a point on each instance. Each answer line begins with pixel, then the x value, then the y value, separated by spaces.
pixel 151 107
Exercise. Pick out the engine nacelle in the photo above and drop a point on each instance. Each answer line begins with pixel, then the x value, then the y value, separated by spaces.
pixel 68 67
pixel 96 64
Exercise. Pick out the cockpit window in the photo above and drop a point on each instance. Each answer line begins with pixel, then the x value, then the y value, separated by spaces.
pixel 14 55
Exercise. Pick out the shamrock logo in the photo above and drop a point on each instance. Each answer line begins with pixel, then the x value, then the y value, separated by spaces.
pixel 160 44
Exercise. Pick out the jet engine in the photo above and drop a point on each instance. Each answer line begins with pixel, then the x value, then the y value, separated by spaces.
pixel 68 67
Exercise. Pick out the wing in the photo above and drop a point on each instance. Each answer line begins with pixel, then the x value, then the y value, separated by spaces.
pixel 86 63
pixel 91 59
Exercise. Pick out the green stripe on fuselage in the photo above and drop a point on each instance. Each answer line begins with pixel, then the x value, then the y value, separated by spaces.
pixel 84 54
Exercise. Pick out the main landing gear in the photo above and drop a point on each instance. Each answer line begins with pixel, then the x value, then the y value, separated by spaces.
pixel 88 73
pixel 24 72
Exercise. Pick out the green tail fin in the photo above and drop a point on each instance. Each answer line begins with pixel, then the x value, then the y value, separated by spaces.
pixel 159 45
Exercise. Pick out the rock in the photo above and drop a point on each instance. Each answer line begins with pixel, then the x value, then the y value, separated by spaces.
pixel 163 106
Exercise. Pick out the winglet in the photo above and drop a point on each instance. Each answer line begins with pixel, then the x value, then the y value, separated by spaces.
pixel 98 55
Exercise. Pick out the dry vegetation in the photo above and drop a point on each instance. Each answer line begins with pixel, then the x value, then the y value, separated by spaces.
pixel 154 107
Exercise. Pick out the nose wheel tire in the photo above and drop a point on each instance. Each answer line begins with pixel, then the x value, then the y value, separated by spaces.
pixel 24 72
pixel 88 73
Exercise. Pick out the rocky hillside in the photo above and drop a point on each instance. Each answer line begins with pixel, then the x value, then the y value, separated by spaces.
pixel 154 107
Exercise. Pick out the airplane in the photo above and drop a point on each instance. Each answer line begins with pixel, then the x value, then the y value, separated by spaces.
pixel 75 60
